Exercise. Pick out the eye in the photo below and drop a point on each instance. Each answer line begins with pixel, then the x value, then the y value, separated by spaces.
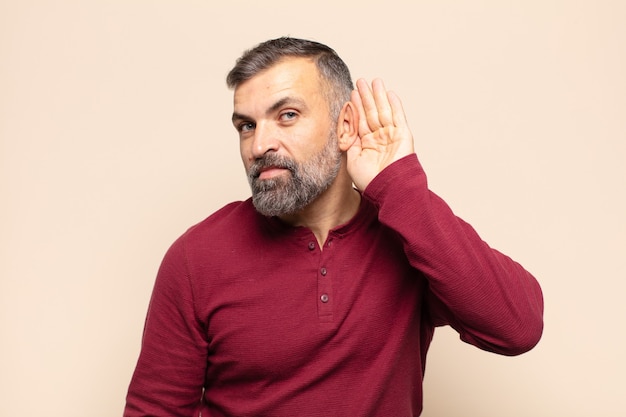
pixel 246 127
pixel 288 115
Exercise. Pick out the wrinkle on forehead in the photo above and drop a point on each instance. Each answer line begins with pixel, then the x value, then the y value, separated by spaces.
pixel 295 77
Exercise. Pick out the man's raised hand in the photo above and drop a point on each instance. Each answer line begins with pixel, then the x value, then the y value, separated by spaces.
pixel 384 136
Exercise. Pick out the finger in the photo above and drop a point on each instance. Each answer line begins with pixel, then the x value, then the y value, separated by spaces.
pixel 383 107
pixel 399 116
pixel 358 103
pixel 369 105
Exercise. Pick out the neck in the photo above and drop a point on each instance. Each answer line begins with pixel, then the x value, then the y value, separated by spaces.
pixel 335 206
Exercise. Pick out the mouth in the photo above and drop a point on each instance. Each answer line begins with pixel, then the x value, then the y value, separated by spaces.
pixel 271 172
pixel 271 167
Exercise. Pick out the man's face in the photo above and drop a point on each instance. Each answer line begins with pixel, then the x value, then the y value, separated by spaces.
pixel 288 141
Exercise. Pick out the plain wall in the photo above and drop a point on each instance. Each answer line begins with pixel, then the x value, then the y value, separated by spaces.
pixel 115 137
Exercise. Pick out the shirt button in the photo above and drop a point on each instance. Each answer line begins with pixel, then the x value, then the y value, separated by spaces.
pixel 323 271
pixel 324 298
pixel 311 245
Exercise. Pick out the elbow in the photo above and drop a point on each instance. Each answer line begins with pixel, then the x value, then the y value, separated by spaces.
pixel 525 326
pixel 529 330
pixel 522 337
pixel 511 340
pixel 526 338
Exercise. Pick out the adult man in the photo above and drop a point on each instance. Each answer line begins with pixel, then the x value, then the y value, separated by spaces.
pixel 316 298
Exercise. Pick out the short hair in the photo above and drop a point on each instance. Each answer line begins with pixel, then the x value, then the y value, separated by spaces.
pixel 334 72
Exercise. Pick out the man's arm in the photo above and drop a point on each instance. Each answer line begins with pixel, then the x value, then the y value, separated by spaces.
pixel 169 377
pixel 491 300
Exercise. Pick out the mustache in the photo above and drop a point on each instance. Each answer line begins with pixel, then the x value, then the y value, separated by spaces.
pixel 271 160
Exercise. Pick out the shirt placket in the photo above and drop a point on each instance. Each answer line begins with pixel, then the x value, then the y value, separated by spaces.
pixel 324 296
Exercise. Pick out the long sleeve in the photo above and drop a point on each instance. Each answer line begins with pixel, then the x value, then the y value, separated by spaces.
pixel 169 376
pixel 491 300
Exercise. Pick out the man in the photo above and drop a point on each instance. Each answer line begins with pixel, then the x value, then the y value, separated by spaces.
pixel 319 295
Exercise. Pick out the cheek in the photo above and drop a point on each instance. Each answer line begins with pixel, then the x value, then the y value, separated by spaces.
pixel 305 143
pixel 244 153
pixel 245 158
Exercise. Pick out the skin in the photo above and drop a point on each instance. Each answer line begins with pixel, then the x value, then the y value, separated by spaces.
pixel 283 110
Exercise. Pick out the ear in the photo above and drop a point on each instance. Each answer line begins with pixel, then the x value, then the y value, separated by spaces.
pixel 347 126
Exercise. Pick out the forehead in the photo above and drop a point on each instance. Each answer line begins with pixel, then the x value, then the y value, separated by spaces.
pixel 297 77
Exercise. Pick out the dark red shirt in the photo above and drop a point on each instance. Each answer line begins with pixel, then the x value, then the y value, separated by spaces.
pixel 249 317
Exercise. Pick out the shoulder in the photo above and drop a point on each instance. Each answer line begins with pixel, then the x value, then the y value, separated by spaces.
pixel 233 217
pixel 212 239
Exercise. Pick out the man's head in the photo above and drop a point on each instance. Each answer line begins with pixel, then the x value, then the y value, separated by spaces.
pixel 289 94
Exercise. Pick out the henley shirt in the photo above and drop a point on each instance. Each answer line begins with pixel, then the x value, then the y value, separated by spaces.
pixel 250 317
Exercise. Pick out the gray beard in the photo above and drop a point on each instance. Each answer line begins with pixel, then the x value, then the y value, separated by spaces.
pixel 303 183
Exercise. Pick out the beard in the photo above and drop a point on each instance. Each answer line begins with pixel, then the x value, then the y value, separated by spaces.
pixel 304 182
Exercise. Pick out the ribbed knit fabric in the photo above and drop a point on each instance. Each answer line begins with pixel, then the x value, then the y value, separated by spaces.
pixel 249 317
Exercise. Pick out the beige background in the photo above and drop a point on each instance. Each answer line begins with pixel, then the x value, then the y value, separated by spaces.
pixel 115 137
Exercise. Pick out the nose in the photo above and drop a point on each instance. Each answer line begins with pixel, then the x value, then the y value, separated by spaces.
pixel 265 140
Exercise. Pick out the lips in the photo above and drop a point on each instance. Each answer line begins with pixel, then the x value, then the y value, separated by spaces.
pixel 270 166
pixel 270 171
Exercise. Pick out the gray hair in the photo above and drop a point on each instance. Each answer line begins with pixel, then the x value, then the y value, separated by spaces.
pixel 333 70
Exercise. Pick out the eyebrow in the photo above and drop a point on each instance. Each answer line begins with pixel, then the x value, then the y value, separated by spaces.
pixel 289 100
